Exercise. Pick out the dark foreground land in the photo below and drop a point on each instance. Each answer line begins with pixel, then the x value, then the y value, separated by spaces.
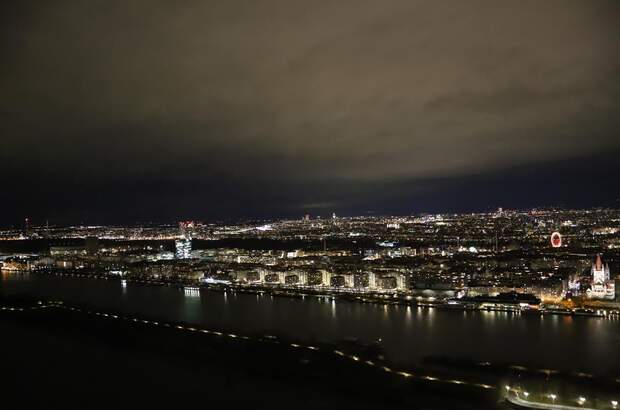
pixel 59 357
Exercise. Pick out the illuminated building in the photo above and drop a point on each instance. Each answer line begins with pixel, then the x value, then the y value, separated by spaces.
pixel 337 281
pixel 601 286
pixel 67 250
pixel 302 278
pixel 360 281
pixel 253 277
pixel 326 278
pixel 401 282
pixel 388 282
pixel 272 278
pixel 183 248
pixel 291 279
pixel 574 285
pixel 372 280
pixel 600 271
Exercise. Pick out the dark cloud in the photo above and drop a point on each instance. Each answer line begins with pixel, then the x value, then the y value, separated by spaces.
pixel 290 105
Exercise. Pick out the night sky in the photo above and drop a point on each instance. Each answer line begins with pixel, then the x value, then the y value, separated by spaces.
pixel 134 111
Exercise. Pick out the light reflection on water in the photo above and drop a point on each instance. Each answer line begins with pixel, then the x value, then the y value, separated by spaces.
pixel 408 334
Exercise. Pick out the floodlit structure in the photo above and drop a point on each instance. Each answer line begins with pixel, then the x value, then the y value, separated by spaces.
pixel 401 282
pixel 372 280
pixel 602 287
pixel 556 240
pixel 183 248
pixel 326 278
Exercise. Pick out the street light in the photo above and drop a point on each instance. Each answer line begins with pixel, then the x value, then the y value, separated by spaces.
pixel 553 397
pixel 526 394
pixel 581 400
pixel 614 403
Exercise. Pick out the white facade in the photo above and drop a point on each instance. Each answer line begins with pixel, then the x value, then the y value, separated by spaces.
pixel 401 282
pixel 602 286
pixel 372 281
pixel 326 278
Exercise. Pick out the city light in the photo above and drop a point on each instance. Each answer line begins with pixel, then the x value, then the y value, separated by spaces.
pixel 310 204
pixel 396 279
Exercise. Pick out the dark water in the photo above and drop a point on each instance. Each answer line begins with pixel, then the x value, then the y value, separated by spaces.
pixel 408 334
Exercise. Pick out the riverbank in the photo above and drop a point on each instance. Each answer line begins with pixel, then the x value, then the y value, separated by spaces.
pixel 421 345
pixel 69 354
pixel 383 298
pixel 72 356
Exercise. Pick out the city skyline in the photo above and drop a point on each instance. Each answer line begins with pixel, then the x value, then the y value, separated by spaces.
pixel 593 188
pixel 28 224
pixel 396 204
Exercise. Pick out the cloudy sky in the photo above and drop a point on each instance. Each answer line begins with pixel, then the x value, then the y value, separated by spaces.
pixel 130 111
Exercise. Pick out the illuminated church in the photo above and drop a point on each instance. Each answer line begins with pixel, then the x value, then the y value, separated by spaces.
pixel 602 287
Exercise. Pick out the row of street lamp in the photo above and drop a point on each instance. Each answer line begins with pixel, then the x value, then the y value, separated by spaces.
pixel 580 400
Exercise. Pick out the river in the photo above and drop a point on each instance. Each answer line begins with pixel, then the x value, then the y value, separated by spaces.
pixel 408 334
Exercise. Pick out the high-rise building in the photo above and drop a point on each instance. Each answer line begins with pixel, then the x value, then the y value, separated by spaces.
pixel 183 248
pixel 27 225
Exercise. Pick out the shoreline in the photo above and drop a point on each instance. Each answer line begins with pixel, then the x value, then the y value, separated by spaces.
pixel 479 381
pixel 379 298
